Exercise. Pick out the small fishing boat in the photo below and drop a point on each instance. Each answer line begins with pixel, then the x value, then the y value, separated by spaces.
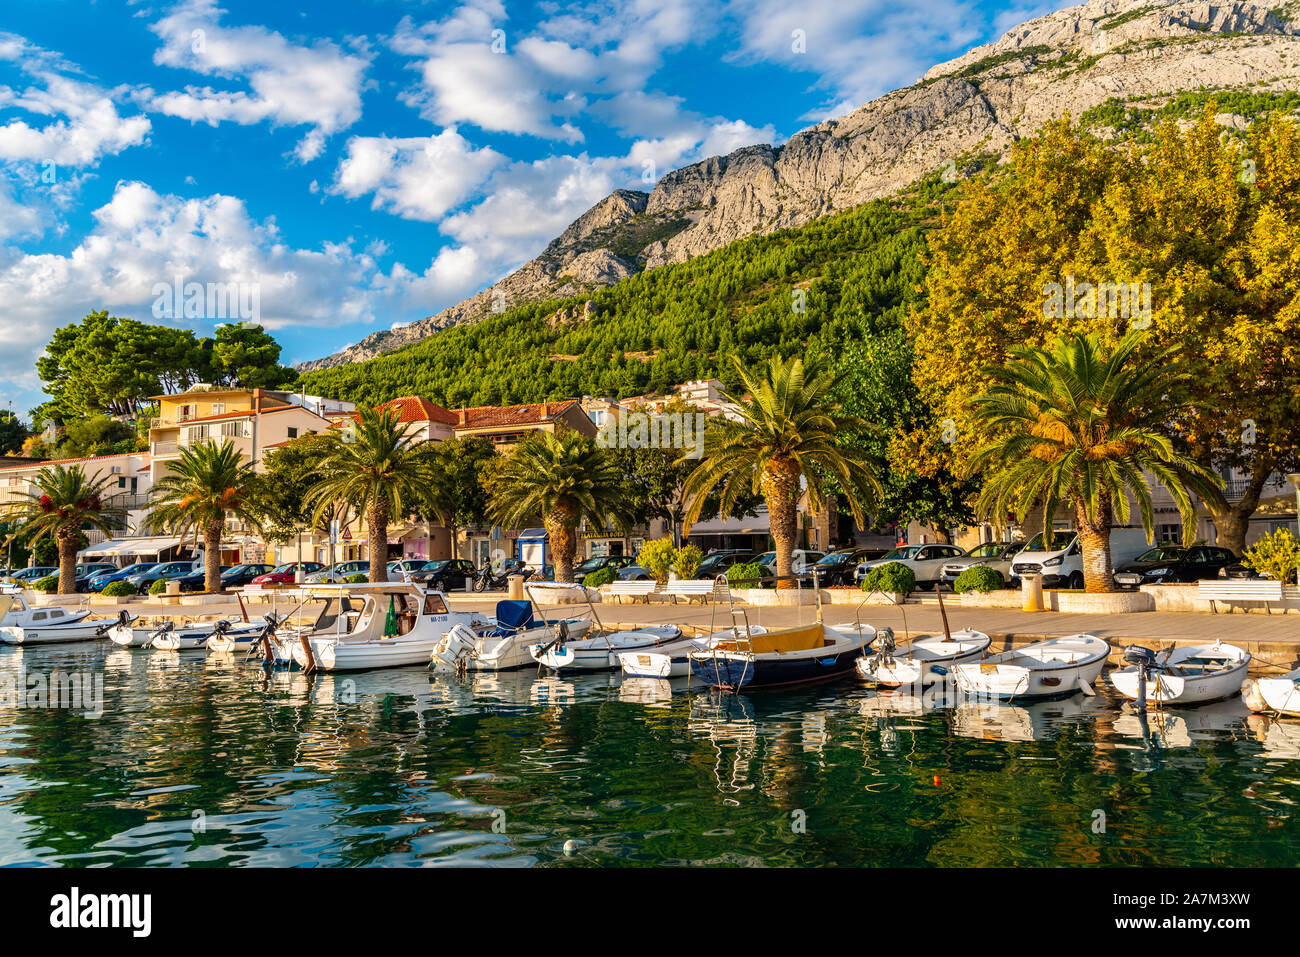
pixel 673 659
pixel 600 651
pixel 1192 674
pixel 382 625
pixel 1046 669
pixel 16 613
pixel 787 656
pixel 1280 694
pixel 199 634
pixel 922 661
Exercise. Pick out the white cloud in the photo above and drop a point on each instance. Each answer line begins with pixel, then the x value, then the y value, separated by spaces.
pixel 142 238
pixel 289 84
pixel 858 49
pixel 416 177
pixel 71 121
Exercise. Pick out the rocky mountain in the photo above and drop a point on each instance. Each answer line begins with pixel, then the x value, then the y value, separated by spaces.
pixel 1136 54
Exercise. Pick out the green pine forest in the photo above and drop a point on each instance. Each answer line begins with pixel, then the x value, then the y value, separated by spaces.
pixel 858 271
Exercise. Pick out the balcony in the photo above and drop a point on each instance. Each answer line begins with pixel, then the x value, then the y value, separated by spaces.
pixel 165 449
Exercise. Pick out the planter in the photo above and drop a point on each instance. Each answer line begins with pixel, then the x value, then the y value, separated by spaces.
pixel 113 599
pixel 1002 598
pixel 204 599
pixel 1183 598
pixel 1103 603
pixel 775 596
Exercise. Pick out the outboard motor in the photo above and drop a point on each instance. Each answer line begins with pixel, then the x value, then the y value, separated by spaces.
pixel 884 647
pixel 454 651
pixel 1144 659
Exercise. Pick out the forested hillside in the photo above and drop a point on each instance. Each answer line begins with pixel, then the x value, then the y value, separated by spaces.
pixel 834 280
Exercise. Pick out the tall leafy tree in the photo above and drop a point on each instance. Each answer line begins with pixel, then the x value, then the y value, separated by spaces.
pixel 785 442
pixel 563 479
pixel 376 466
pixel 12 433
pixel 203 489
pixel 63 503
pixel 456 496
pixel 1079 424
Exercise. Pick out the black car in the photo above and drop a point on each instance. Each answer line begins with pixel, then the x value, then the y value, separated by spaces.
pixel 616 562
pixel 1240 570
pixel 840 567
pixel 241 575
pixel 1173 563
pixel 445 575
pixel 718 563
pixel 196 580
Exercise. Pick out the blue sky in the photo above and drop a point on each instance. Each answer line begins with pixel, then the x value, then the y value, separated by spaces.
pixel 368 163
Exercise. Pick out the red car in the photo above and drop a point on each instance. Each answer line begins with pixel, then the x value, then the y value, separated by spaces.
pixel 284 574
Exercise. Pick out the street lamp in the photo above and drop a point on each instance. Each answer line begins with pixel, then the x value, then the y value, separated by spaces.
pixel 1294 479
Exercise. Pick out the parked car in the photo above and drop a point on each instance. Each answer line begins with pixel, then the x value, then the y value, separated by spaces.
pixel 1241 570
pixel 197 580
pixel 803 561
pixel 27 576
pixel 97 582
pixel 839 567
pixel 446 574
pixel 994 555
pixel 242 575
pixel 89 570
pixel 718 563
pixel 338 572
pixel 1173 563
pixel 926 562
pixel 596 563
pixel 286 574
pixel 1062 565
pixel 407 566
pixel 162 572
pixel 634 573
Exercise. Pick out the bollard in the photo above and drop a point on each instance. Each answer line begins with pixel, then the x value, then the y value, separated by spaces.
pixel 515 587
pixel 1031 593
pixel 173 588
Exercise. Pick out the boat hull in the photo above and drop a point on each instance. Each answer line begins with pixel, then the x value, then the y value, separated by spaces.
pixel 1173 689
pixel 1036 671
pixel 51 635
pixel 1281 694
pixel 731 670
pixel 334 655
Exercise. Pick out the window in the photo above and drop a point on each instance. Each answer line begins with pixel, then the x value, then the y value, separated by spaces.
pixel 197 433
pixel 218 408
pixel 434 605
pixel 1169 533
pixel 293 432
pixel 232 430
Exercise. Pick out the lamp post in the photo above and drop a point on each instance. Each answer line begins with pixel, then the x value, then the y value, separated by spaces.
pixel 1294 479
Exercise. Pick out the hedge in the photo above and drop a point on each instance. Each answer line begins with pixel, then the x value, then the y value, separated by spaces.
pixel 601 576
pixel 893 578
pixel 978 578
pixel 118 589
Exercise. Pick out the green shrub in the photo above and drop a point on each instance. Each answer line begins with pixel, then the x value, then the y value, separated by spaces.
pixel 48 584
pixel 657 558
pixel 686 561
pixel 601 576
pixel 358 579
pixel 159 587
pixel 1276 555
pixel 118 589
pixel 746 575
pixel 893 578
pixel 978 578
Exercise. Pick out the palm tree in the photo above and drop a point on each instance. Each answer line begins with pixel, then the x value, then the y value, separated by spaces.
pixel 375 467
pixel 563 478
pixel 1079 427
pixel 64 502
pixel 786 438
pixel 205 487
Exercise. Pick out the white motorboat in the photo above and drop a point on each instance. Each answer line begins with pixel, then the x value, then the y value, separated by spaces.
pixel 1192 674
pixel 922 661
pixel 382 625
pixel 1058 666
pixel 23 624
pixel 673 659
pixel 517 626
pixel 17 613
pixel 1279 694
pixel 600 651
pixel 199 634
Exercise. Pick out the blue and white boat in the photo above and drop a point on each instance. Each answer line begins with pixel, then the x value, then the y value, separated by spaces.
pixel 787 656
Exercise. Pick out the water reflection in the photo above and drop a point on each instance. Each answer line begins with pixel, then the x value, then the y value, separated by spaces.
pixel 214 759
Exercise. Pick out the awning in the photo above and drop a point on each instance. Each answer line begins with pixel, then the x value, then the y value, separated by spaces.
pixel 130 546
pixel 751 525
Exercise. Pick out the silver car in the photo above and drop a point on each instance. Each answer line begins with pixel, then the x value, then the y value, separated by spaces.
pixel 994 555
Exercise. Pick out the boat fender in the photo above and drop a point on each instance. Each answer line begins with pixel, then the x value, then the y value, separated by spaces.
pixel 939 670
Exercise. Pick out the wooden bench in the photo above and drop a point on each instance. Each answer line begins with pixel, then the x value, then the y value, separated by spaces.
pixel 623 590
pixel 703 589
pixel 1262 590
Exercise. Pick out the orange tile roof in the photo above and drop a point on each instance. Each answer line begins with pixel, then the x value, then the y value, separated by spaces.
pixel 485 416
pixel 414 408
pixel 89 458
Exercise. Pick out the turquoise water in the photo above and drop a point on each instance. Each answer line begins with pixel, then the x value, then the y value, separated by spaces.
pixel 205 760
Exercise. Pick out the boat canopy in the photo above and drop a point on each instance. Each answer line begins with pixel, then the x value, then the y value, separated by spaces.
pixel 513 613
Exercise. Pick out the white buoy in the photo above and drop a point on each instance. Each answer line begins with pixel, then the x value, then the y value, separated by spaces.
pixel 569 847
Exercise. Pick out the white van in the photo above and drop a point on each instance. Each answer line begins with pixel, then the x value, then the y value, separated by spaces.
pixel 1062 567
